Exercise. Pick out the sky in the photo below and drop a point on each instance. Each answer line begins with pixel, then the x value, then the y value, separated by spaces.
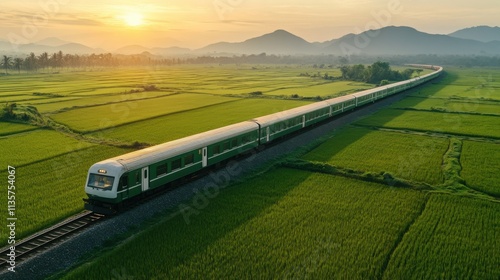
pixel 110 24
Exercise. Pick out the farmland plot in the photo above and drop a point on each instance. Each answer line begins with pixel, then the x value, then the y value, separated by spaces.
pixel 455 238
pixel 284 224
pixel 412 157
pixel 62 103
pixel 461 124
pixel 162 129
pixel 105 116
pixel 324 90
pixel 481 166
pixel 450 105
pixel 7 128
pixel 21 149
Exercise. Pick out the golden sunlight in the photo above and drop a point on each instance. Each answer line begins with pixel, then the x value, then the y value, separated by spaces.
pixel 133 19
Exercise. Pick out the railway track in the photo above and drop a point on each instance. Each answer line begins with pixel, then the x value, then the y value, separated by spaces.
pixel 44 239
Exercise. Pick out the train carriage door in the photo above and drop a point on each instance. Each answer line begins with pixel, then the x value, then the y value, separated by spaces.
pixel 145 179
pixel 304 121
pixel 204 156
pixel 268 133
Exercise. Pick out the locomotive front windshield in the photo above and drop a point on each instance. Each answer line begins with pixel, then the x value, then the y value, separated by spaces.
pixel 101 181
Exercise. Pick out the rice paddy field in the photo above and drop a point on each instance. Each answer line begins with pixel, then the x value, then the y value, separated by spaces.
pixel 288 221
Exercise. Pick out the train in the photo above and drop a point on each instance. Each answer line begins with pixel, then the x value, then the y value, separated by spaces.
pixel 113 182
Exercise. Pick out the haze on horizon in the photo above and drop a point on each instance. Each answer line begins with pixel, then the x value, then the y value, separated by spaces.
pixel 110 24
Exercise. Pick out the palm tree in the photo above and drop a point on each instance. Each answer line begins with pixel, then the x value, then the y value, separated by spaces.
pixel 31 62
pixel 18 63
pixel 6 63
pixel 43 59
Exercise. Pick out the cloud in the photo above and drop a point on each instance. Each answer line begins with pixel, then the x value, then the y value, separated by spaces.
pixel 22 18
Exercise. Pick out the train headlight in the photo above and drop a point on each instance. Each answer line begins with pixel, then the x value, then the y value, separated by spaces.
pixel 102 171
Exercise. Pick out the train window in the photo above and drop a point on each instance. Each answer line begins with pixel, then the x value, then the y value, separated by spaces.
pixel 234 143
pixel 137 177
pixel 101 181
pixel 189 159
pixel 216 149
pixel 161 169
pixel 176 164
pixel 124 181
pixel 226 146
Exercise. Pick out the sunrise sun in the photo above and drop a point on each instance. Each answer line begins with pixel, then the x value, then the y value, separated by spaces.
pixel 133 19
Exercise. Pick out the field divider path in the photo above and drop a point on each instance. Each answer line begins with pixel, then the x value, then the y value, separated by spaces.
pixel 383 178
pixel 486 139
pixel 448 112
pixel 401 236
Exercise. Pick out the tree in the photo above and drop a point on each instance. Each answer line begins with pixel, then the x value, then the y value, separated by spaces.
pixel 43 59
pixel 31 63
pixel 18 63
pixel 6 63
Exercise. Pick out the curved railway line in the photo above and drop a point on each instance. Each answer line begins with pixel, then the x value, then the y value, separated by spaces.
pixel 45 239
pixel 39 241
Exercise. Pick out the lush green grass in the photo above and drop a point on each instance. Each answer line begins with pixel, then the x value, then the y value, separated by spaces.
pixel 7 128
pixel 105 116
pixel 324 90
pixel 283 224
pixel 412 157
pixel 481 166
pixel 175 126
pixel 24 148
pixel 56 104
pixel 460 124
pixel 450 105
pixel 52 189
pixel 455 238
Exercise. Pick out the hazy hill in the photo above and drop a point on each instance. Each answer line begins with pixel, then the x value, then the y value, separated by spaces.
pixel 52 41
pixel 138 49
pixel 278 42
pixel 390 40
pixel 479 33
pixel 406 40
pixel 72 48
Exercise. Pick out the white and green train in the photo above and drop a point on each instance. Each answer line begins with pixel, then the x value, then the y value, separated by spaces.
pixel 113 182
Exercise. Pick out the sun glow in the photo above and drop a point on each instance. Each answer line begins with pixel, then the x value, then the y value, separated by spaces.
pixel 133 19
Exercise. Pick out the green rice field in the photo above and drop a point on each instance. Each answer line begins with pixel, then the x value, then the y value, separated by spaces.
pixel 165 128
pixel 413 157
pixel 284 222
pixel 306 225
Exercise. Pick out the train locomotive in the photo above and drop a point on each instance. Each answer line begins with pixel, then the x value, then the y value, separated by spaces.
pixel 113 182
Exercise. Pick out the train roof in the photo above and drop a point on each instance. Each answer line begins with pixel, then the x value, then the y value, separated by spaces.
pixel 137 159
pixel 295 112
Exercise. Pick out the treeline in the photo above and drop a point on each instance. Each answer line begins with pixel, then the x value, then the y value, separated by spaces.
pixel 375 73
pixel 55 61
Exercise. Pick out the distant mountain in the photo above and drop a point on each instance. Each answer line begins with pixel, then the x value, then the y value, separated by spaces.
pixel 391 40
pixel 394 40
pixel 132 49
pixel 278 42
pixel 72 48
pixel 138 49
pixel 52 41
pixel 479 33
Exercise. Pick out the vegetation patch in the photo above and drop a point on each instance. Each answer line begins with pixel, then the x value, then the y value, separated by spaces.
pixel 452 123
pixel 480 166
pixel 455 237
pixel 412 157
pixel 288 223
